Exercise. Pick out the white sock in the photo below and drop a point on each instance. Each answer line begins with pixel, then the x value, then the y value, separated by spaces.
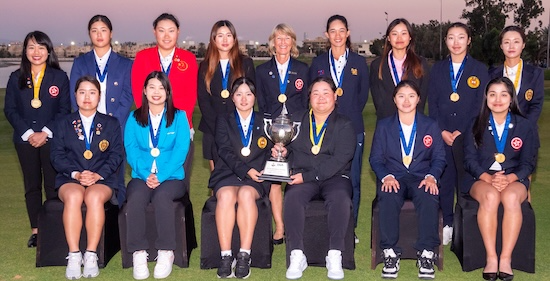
pixel 227 253
pixel 243 250
pixel 334 253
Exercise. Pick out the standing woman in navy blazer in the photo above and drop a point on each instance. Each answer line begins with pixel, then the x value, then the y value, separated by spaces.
pixel 86 152
pixel 408 157
pixel 454 99
pixel 350 73
pixel 528 79
pixel 281 82
pixel 222 64
pixel 37 94
pixel 499 157
pixel 157 137
pixel 398 62
pixel 113 72
pixel 243 150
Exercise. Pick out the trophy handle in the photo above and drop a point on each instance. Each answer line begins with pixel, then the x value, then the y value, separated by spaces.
pixel 296 126
pixel 267 123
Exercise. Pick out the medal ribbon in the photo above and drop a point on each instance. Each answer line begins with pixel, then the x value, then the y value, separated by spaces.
pixel 454 79
pixel 282 85
pixel 155 137
pixel 245 140
pixel 500 142
pixel 37 81
pixel 407 146
pixel 167 70
pixel 518 74
pixel 88 140
pixel 225 78
pixel 333 69
pixel 316 136
pixel 394 69
pixel 101 76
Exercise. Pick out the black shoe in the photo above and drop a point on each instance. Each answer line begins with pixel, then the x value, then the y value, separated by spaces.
pixel 505 276
pixel 425 264
pixel 32 241
pixel 491 276
pixel 391 264
pixel 225 270
pixel 242 269
pixel 278 241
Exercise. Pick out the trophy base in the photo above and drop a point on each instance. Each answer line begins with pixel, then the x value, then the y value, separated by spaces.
pixel 276 171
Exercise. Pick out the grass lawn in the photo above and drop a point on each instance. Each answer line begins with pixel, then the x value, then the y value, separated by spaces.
pixel 18 262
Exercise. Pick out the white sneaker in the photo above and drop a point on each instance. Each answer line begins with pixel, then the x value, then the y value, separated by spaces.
pixel 391 264
pixel 74 262
pixel 90 265
pixel 163 268
pixel 447 235
pixel 298 263
pixel 141 271
pixel 425 264
pixel 334 265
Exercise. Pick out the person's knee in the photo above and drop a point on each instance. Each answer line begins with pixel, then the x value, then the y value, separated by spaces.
pixel 226 196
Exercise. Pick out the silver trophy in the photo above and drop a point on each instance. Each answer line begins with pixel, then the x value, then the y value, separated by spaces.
pixel 281 130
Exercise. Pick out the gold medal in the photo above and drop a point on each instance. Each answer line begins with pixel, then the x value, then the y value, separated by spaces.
pixel 88 154
pixel 455 97
pixel 245 151
pixel 36 103
pixel 225 94
pixel 339 92
pixel 407 160
pixel 315 149
pixel 155 152
pixel 500 158
pixel 282 98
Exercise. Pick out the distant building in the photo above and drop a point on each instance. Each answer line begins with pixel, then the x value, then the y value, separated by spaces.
pixel 363 49
pixel 315 46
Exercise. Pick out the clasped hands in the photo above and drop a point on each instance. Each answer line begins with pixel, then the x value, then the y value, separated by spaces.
pixel 87 178
pixel 498 180
pixel 38 139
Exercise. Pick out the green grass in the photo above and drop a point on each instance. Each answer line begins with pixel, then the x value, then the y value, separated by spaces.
pixel 17 262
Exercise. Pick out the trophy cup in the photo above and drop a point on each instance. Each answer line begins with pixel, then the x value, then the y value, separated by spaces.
pixel 283 131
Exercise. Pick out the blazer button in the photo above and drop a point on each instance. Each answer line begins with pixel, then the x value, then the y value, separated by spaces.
pixel 34 121
pixel 110 114
pixel 112 99
pixel 116 83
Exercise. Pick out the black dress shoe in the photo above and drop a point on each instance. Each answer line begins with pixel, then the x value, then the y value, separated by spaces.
pixel 491 276
pixel 505 276
pixel 278 241
pixel 32 241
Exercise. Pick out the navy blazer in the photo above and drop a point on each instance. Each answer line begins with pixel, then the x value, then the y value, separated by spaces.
pixel 267 87
pixel 213 104
pixel 228 141
pixel 458 115
pixel 54 95
pixel 355 85
pixel 173 144
pixel 428 155
pixel 520 150
pixel 118 99
pixel 382 89
pixel 336 152
pixel 67 149
pixel 532 78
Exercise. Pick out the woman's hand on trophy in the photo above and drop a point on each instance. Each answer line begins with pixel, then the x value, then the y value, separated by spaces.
pixel 254 174
pixel 278 148
pixel 297 179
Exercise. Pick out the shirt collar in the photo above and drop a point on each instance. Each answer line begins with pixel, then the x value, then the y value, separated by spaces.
pixel 101 59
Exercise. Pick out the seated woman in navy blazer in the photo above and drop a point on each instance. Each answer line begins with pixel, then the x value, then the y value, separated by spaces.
pixel 499 157
pixel 321 159
pixel 243 150
pixel 86 152
pixel 408 157
pixel 157 140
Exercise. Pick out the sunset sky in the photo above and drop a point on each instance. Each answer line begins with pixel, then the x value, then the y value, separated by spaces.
pixel 66 20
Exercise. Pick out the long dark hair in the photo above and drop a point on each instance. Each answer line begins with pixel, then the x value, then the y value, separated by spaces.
pixel 25 68
pixel 142 114
pixel 212 57
pixel 345 22
pixel 412 61
pixel 483 118
pixel 100 18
